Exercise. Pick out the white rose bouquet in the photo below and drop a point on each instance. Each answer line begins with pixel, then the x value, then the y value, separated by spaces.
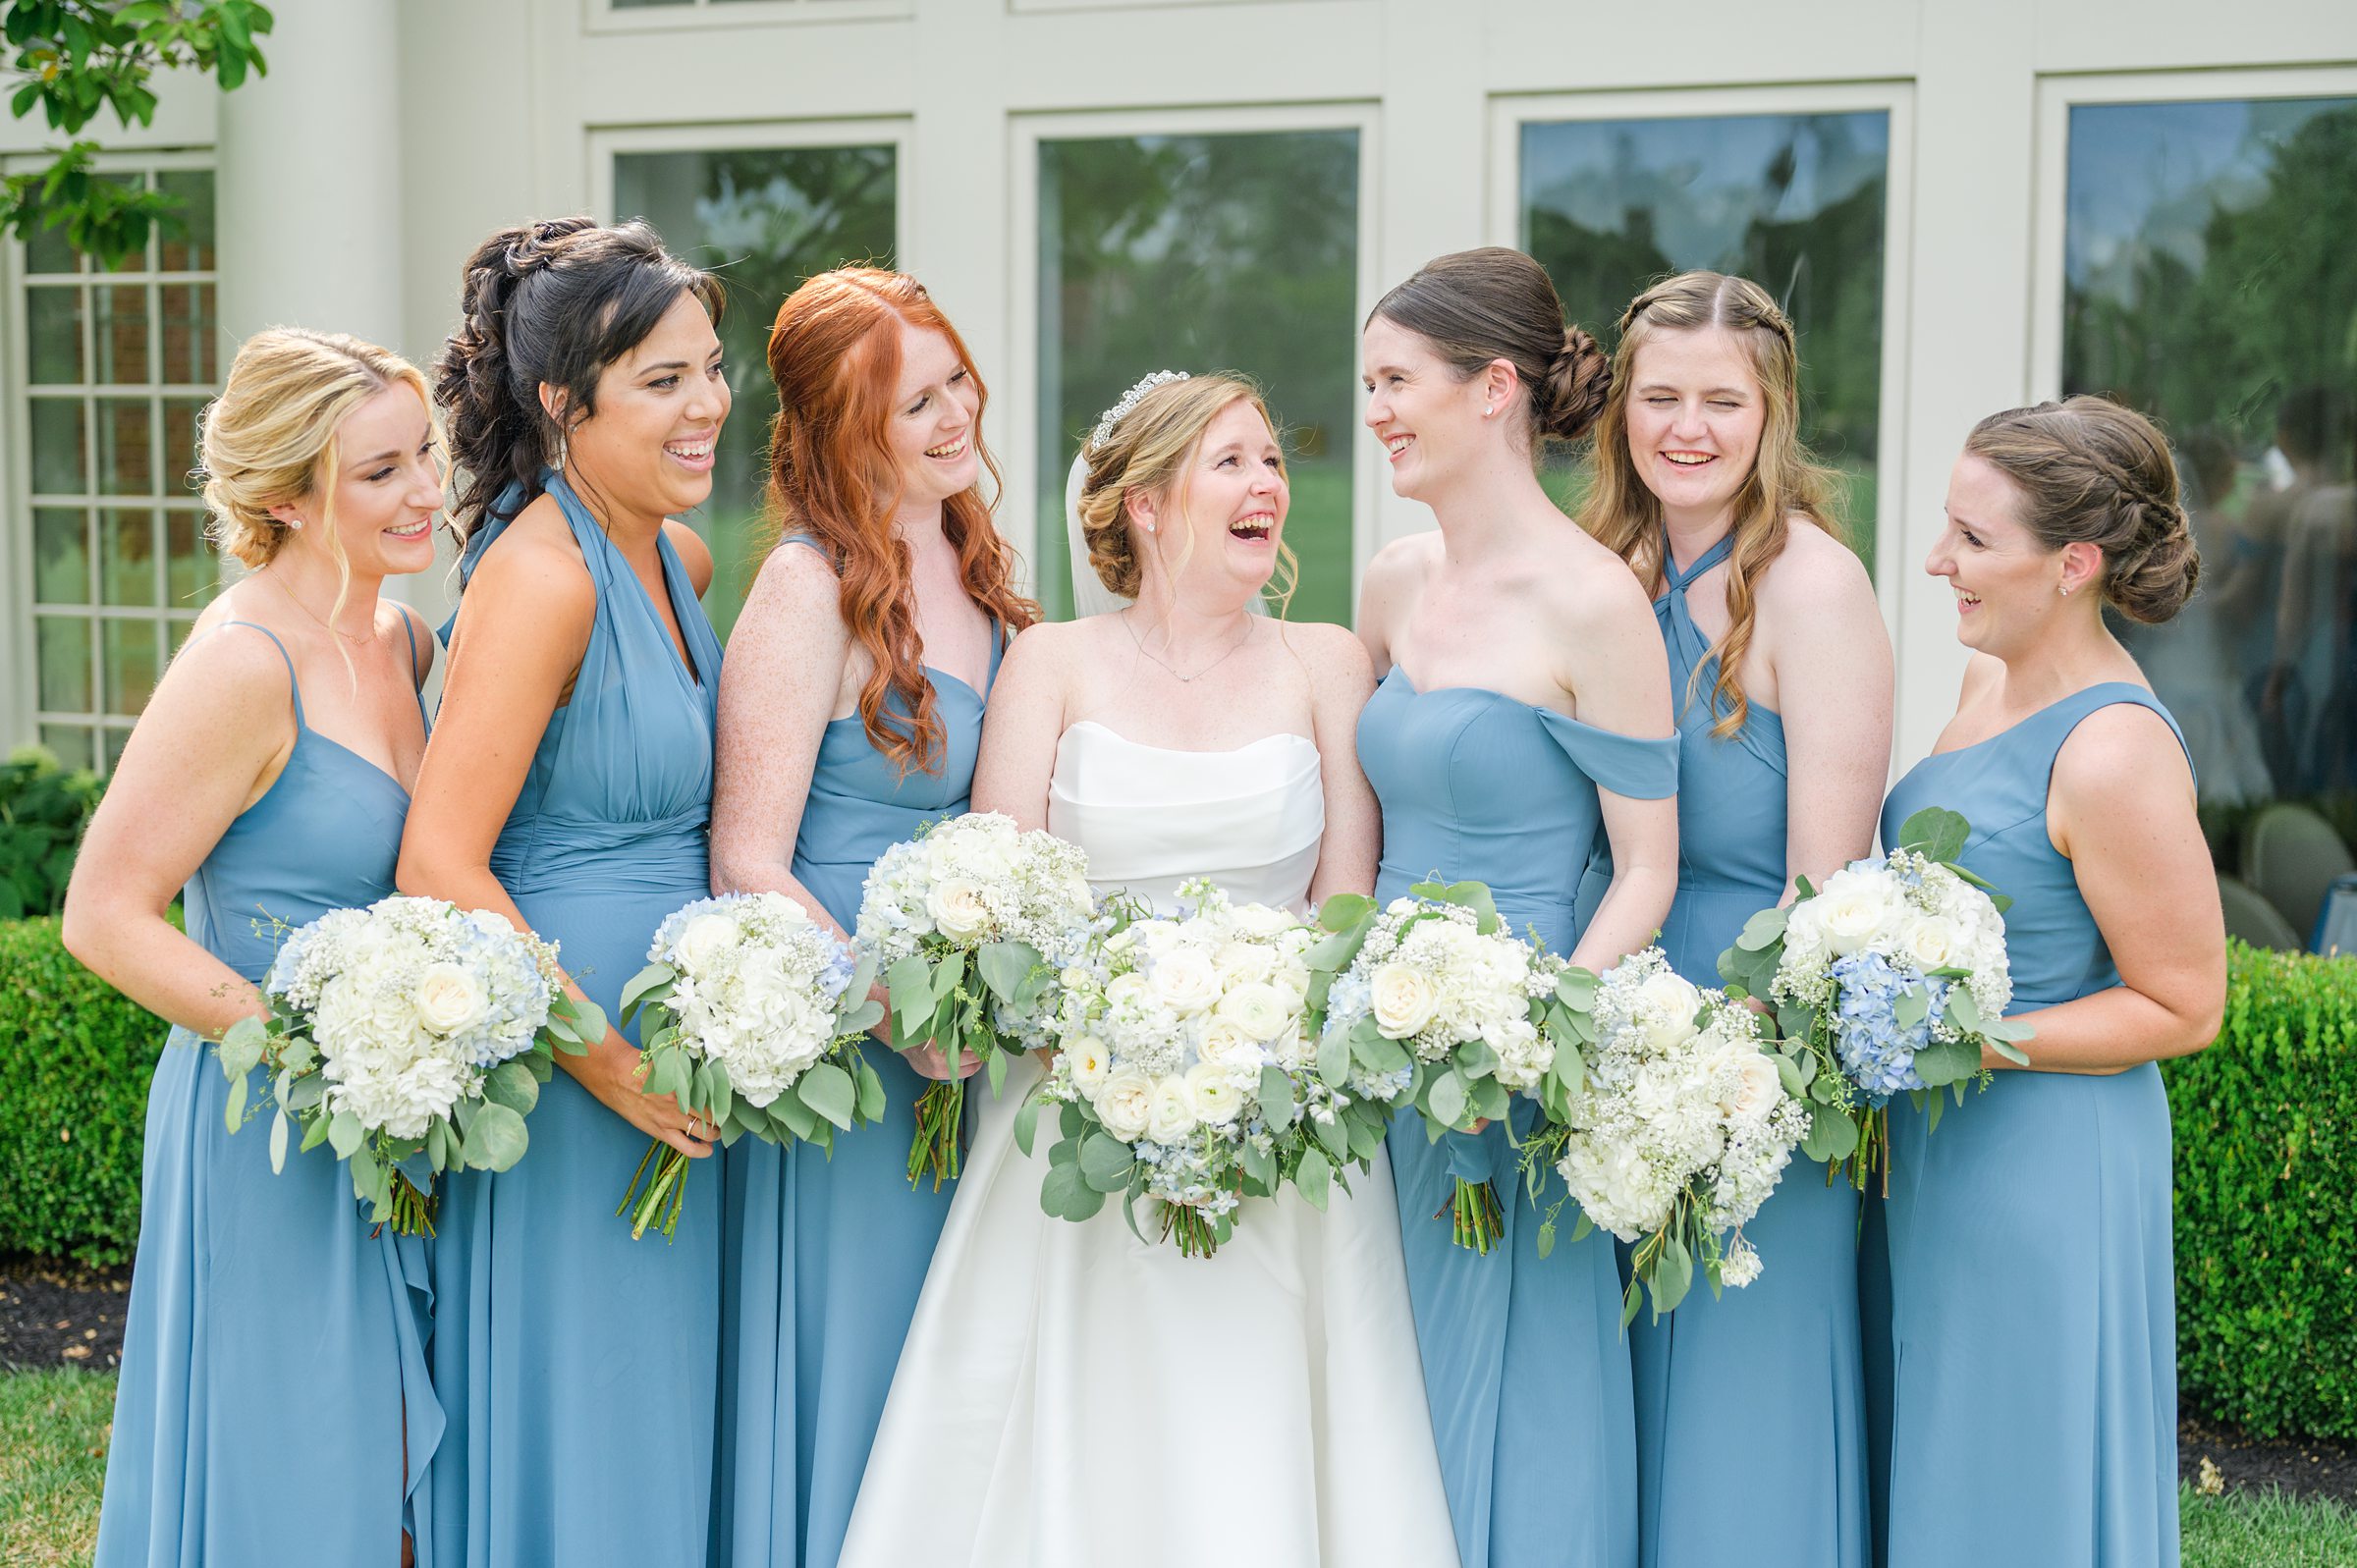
pixel 1679 1133
pixel 1890 977
pixel 969 922
pixel 751 1017
pixel 1184 1073
pixel 1430 1002
pixel 409 1028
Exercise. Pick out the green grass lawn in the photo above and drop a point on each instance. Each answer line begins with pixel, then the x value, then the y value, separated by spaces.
pixel 53 1457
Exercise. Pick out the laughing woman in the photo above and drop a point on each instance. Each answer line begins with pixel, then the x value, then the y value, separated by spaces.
pixel 274 1407
pixel 568 788
pixel 2032 1310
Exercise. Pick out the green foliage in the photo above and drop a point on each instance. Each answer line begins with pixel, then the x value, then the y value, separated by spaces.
pixel 73 1116
pixel 2266 1123
pixel 43 809
pixel 75 59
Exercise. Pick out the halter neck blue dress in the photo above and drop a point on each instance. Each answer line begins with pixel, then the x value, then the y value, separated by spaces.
pixel 246 1431
pixel 825 1257
pixel 1525 1368
pixel 1751 1416
pixel 2031 1283
pixel 577 1365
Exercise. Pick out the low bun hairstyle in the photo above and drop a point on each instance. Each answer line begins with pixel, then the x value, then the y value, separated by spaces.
pixel 1474 306
pixel 553 302
pixel 1146 452
pixel 2093 472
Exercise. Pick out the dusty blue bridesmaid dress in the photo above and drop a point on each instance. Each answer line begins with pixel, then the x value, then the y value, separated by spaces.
pixel 825 1257
pixel 2033 1408
pixel 1525 1368
pixel 1751 1417
pixel 576 1365
pixel 276 1341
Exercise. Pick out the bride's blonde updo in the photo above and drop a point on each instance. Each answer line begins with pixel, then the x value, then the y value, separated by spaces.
pixel 1145 453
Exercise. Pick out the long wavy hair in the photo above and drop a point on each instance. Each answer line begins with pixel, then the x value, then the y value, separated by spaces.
pixel 1785 481
pixel 834 353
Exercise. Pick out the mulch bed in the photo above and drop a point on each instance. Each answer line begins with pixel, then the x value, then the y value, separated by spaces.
pixel 60 1313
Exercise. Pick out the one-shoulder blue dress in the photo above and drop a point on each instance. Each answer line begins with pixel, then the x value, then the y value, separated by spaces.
pixel 825 1257
pixel 274 1355
pixel 576 1363
pixel 2033 1406
pixel 1751 1414
pixel 1525 1368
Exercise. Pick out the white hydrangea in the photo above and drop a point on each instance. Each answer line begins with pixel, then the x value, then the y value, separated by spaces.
pixel 1434 981
pixel 972 879
pixel 757 986
pixel 1914 911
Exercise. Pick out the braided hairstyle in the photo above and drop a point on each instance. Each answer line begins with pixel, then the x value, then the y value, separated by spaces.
pixel 554 303
pixel 2093 472
pixel 1475 306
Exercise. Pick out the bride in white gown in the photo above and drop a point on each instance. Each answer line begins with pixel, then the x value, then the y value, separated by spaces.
pixel 1068 1395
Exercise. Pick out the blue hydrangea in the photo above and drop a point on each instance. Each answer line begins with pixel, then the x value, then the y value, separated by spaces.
pixel 1877 1052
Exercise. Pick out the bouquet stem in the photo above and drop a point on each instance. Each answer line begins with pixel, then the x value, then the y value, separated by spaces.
pixel 940 1143
pixel 413 1211
pixel 1476 1221
pixel 659 1201
pixel 1189 1229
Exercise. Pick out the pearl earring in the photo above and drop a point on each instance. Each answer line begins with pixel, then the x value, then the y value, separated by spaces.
pixel 295 523
pixel 2066 590
pixel 1488 409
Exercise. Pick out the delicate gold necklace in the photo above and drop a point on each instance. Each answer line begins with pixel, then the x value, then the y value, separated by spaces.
pixel 357 642
pixel 1123 617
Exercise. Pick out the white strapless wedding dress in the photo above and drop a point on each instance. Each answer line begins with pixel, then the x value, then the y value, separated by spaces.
pixel 1072 1398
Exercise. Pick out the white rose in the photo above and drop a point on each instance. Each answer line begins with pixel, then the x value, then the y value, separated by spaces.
pixel 1213 1094
pixel 1184 981
pixel 1224 1045
pixel 1758 1089
pixel 1669 1003
pixel 1403 999
pixel 1091 1063
pixel 1171 1111
pixel 1243 962
pixel 1850 910
pixel 449 998
pixel 958 908
pixel 707 937
pixel 1261 1012
pixel 1126 1103
pixel 1129 989
pixel 1931 942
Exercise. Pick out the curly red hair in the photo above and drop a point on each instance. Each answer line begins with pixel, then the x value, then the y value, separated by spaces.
pixel 834 353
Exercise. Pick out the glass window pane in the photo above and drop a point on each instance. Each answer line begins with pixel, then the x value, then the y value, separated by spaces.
pixel 112 739
pixel 134 658
pixel 767 218
pixel 1793 202
pixel 118 328
pixel 640 5
pixel 54 324
pixel 61 556
pixel 180 444
pixel 126 567
pixel 2207 282
pixel 126 455
pixel 188 329
pixel 61 650
pixel 46 250
pixel 189 246
pixel 144 258
pixel 192 572
pixel 70 742
pixel 1205 253
pixel 60 447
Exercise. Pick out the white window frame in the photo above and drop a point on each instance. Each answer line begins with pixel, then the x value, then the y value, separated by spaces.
pixel 1503 220
pixel 761 135
pixel 20 694
pixel 2057 95
pixel 1019 515
pixel 603 16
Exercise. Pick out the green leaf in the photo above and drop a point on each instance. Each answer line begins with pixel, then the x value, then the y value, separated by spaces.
pixel 1962 1009
pixel 1935 832
pixel 636 988
pixel 1333 1134
pixel 1377 1054
pixel 314 1133
pixel 1672 1275
pixel 1106 1162
pixel 1473 895
pixel 278 1140
pixel 1832 1135
pixel 1067 1196
pixel 828 1090
pixel 1260 1166
pixel 1940 1062
pixel 1575 989
pixel 994 1067
pixel 1343 911
pixel 1448 1101
pixel 872 1098
pixel 1013 970
pixel 344 1132
pixel 860 1014
pixel 909 983
pixel 1762 930
pixel 1314 1178
pixel 437 1144
pixel 241 1047
pixel 233 1106
pixel 512 1084
pixel 797 1119
pixel 1277 1106
pixel 948 975
pixel 1913 1007
pixel 497 1140
pixel 1026 1126
pixel 1333 1059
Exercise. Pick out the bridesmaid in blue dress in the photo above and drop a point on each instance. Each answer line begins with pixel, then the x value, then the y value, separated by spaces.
pixel 569 789
pixel 274 1408
pixel 1525 715
pixel 1751 1418
pixel 852 714
pixel 2033 1412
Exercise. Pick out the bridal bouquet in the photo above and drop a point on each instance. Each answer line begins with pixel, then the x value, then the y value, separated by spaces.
pixel 1184 1073
pixel 1679 1133
pixel 751 1014
pixel 410 1027
pixel 1428 1002
pixel 969 922
pixel 1890 977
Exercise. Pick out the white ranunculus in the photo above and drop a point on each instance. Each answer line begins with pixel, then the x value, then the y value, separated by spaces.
pixel 1125 1104
pixel 1213 1093
pixel 449 998
pixel 1226 1045
pixel 1243 962
pixel 958 908
pixel 1260 1011
pixel 1259 920
pixel 1171 1111
pixel 1129 989
pixel 1184 981
pixel 1090 1062
pixel 1851 909
pixel 1402 1000
pixel 707 937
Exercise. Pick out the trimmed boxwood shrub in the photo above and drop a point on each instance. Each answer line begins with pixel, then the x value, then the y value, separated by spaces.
pixel 2265 1125
pixel 73 1103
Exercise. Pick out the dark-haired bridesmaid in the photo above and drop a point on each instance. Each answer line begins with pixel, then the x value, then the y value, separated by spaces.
pixel 2033 1410
pixel 1751 1434
pixel 568 787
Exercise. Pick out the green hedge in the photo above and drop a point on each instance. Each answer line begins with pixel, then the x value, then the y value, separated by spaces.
pixel 2266 1126
pixel 72 1107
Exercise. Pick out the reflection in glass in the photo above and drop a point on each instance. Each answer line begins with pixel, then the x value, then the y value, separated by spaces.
pixel 60 447
pixel 188 325
pixel 53 324
pixel 134 651
pixel 1205 253
pixel 119 329
pixel 192 571
pixel 70 742
pixel 60 557
pixel 2208 282
pixel 765 219
pixel 1793 202
pixel 187 244
pixel 125 459
pixel 180 444
pixel 127 557
pixel 62 653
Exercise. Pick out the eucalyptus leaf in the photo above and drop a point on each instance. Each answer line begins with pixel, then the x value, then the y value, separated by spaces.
pixel 1832 1135
pixel 1935 832
pixel 1106 1162
pixel 498 1139
pixel 636 990
pixel 278 1140
pixel 1762 930
pixel 828 1090
pixel 1313 1178
pixel 1277 1106
pixel 511 1085
pixel 344 1132
pixel 1447 1101
pixel 1067 1196
pixel 1026 1126
pixel 1672 1275
pixel 872 1098
pixel 1013 970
